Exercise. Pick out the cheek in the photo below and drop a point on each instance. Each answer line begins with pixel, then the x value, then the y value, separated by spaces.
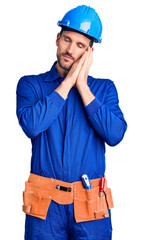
pixel 80 52
pixel 62 48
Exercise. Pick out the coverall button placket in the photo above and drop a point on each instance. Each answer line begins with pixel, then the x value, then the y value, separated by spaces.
pixel 66 155
pixel 70 113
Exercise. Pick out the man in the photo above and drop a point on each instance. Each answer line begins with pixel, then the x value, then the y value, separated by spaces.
pixel 69 116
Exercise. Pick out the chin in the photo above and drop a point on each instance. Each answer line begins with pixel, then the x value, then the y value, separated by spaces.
pixel 65 65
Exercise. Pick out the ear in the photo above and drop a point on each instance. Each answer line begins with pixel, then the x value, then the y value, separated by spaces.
pixel 57 39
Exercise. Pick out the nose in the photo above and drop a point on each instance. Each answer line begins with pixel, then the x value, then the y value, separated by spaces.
pixel 70 48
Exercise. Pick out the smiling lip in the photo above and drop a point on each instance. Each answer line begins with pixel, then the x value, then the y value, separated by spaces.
pixel 66 56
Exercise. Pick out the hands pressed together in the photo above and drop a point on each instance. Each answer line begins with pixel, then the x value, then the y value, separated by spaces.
pixel 80 69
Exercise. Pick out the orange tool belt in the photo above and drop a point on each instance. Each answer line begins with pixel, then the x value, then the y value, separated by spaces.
pixel 88 205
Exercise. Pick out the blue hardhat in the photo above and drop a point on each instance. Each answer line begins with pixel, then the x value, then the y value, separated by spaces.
pixel 83 19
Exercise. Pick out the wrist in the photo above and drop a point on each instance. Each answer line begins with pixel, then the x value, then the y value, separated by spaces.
pixel 82 86
pixel 67 83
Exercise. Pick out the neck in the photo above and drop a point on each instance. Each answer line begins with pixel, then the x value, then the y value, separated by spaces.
pixel 61 72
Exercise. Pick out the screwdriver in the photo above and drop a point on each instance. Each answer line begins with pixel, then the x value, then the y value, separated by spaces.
pixel 86 182
pixel 102 183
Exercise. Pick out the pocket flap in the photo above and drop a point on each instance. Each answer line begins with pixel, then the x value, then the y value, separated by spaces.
pixel 36 201
pixel 89 206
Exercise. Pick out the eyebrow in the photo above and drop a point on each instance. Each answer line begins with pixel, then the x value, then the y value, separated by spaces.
pixel 77 42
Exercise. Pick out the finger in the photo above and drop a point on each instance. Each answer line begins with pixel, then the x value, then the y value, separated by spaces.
pixel 88 57
pixel 78 64
pixel 82 59
pixel 88 61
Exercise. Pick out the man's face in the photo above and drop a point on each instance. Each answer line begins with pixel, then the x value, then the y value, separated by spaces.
pixel 71 46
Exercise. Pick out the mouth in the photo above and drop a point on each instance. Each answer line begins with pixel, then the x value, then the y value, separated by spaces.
pixel 66 56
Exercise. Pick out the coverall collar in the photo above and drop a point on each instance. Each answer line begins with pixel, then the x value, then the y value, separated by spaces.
pixel 53 74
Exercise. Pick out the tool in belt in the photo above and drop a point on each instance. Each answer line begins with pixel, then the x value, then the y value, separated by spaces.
pixel 88 205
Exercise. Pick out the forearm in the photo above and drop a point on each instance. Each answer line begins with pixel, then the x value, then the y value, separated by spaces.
pixel 107 124
pixel 105 117
pixel 86 94
pixel 64 88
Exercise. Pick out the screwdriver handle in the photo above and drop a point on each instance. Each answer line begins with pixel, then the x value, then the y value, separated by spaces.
pixel 102 184
pixel 86 181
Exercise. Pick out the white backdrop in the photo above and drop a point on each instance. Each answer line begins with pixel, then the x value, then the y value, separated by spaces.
pixel 28 33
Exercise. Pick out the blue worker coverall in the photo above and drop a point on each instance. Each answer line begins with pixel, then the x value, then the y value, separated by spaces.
pixel 68 140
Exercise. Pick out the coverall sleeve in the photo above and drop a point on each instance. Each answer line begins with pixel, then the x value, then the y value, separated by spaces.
pixel 36 115
pixel 107 118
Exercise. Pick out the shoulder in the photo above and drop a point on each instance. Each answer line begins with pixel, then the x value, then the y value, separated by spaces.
pixel 32 81
pixel 102 88
pixel 33 77
pixel 100 82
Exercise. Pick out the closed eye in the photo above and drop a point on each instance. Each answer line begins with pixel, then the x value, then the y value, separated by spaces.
pixel 80 45
pixel 67 39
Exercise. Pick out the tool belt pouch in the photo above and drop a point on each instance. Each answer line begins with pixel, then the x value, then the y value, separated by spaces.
pixel 35 200
pixel 88 205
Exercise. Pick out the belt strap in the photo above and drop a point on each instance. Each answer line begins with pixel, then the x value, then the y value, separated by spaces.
pixel 51 188
pixel 88 205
